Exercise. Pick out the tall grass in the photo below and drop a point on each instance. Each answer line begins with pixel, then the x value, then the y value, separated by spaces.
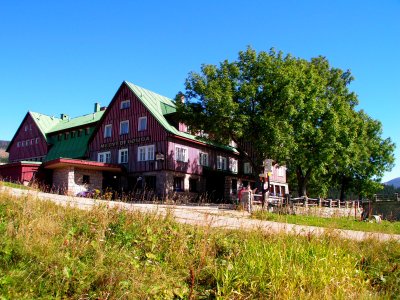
pixel 49 251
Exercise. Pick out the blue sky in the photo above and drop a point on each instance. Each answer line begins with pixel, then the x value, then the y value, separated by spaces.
pixel 62 56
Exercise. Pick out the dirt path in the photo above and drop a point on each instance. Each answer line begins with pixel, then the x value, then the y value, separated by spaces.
pixel 207 216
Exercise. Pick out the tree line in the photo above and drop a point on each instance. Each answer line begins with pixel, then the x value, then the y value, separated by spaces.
pixel 300 113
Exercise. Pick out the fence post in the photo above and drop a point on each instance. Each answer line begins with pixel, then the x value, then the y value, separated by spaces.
pixel 397 196
pixel 330 202
pixel 305 201
pixel 338 203
pixel 319 202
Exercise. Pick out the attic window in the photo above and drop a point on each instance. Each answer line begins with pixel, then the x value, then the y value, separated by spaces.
pixel 125 104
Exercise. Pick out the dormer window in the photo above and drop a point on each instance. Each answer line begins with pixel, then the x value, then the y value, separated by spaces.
pixel 125 104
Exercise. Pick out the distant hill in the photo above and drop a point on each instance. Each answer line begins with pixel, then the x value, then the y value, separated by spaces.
pixel 3 153
pixel 395 182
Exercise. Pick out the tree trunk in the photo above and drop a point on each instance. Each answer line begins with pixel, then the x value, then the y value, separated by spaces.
pixel 343 188
pixel 302 181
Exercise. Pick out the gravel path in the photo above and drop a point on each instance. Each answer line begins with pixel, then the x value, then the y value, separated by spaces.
pixel 207 216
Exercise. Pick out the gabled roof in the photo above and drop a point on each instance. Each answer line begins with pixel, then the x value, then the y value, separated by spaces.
pixel 159 106
pixel 44 123
pixel 77 122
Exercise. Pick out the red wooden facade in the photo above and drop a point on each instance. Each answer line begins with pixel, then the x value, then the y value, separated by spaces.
pixel 19 171
pixel 28 143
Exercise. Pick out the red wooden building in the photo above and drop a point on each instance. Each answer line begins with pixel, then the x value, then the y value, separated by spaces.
pixel 137 143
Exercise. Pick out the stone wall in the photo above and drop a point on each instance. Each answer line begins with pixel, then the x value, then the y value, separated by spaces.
pixel 69 180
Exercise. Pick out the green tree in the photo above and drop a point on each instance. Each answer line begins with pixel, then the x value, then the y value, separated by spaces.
pixel 297 112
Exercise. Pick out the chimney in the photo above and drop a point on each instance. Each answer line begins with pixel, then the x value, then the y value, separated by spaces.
pixel 64 117
pixel 96 107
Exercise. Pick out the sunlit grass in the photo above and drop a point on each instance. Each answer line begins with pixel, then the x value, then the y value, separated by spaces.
pixel 335 222
pixel 49 251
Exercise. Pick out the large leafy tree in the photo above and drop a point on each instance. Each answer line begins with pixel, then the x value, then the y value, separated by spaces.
pixel 297 112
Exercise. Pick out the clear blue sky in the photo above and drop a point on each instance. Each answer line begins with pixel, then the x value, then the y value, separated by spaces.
pixel 62 56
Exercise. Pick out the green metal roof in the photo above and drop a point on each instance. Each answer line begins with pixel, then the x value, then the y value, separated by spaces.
pixel 159 106
pixel 77 122
pixel 45 123
pixel 72 147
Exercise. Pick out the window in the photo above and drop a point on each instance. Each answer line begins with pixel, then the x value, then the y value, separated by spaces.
pixel 142 124
pixel 280 171
pixel 125 104
pixel 107 130
pixel 23 143
pixel 104 157
pixel 124 127
pixel 85 179
pixel 181 154
pixel 87 130
pixel 178 184
pixel 66 135
pixel 18 144
pixel 73 133
pixel 123 156
pixel 247 168
pixel 193 185
pixel 203 158
pixel 37 140
pixel 27 143
pixel 146 153
pixel 221 163
pixel 26 127
pixel 233 165
pixel 59 137
pixel 79 132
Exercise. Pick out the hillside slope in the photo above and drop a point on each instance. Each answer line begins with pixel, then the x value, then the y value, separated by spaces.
pixel 395 182
pixel 3 153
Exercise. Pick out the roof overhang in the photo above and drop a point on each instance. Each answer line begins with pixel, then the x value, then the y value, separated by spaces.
pixel 22 164
pixel 83 164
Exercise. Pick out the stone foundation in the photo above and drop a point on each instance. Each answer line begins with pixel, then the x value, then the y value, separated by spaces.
pixel 69 180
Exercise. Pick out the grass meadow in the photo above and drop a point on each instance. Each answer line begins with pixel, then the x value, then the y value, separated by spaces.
pixel 349 223
pixel 53 252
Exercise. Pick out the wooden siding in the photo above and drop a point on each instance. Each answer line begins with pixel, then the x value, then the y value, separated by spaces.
pixel 31 151
pixel 154 135
pixel 192 166
pixel 275 174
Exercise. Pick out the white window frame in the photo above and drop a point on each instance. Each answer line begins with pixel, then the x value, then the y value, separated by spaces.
pixel 125 104
pixel 247 168
pixel 221 162
pixel 140 122
pixel 146 153
pixel 120 152
pixel 181 153
pixel 104 157
pixel 18 144
pixel 26 128
pixel 23 144
pixel 37 141
pixel 120 127
pixel 203 159
pixel 108 130
pixel 233 165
